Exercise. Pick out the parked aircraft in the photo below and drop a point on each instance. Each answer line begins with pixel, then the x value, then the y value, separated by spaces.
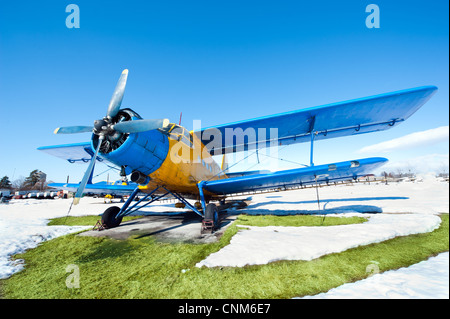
pixel 165 159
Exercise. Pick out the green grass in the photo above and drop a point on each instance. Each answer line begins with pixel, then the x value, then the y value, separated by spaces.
pixel 82 220
pixel 145 268
pixel 297 220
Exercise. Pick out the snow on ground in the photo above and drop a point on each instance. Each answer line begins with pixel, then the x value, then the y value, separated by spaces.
pixel 427 197
pixel 408 208
pixel 428 279
pixel 23 226
pixel 261 245
pixel 18 238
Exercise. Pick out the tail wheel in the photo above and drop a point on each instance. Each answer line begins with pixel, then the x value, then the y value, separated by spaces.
pixel 109 219
pixel 212 214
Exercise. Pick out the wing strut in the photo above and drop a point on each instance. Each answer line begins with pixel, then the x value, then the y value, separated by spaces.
pixel 313 135
pixel 311 155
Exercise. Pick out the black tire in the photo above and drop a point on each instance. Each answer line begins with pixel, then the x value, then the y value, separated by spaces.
pixel 212 213
pixel 109 219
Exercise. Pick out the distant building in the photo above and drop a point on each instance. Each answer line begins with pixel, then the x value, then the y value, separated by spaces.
pixel 4 192
pixel 367 178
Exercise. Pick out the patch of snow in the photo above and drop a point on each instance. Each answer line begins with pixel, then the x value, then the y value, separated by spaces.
pixel 428 279
pixel 261 245
pixel 23 225
pixel 17 238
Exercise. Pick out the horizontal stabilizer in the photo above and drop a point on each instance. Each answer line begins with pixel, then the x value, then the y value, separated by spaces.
pixel 304 176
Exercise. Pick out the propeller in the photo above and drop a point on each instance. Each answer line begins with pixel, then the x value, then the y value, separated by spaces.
pixel 112 128
pixel 117 97
pixel 139 125
pixel 73 129
pixel 87 174
pixel 109 125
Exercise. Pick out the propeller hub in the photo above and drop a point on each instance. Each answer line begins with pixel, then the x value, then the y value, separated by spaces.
pixel 100 126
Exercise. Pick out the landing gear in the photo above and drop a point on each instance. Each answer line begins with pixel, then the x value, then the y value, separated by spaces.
pixel 212 214
pixel 110 219
pixel 211 219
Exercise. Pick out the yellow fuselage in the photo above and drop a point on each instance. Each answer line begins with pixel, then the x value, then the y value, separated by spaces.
pixel 187 163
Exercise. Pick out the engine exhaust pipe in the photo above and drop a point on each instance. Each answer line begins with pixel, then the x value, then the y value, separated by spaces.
pixel 139 178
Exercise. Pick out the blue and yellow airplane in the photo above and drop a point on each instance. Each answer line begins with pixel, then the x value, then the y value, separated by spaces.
pixel 165 159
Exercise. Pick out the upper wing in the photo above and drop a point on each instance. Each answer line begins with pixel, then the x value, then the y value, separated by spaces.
pixel 74 153
pixel 295 177
pixel 364 115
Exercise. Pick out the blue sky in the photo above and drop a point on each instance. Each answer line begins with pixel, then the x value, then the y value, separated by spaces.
pixel 217 61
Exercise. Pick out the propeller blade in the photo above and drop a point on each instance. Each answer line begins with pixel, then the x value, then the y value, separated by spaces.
pixel 73 129
pixel 137 126
pixel 87 174
pixel 116 99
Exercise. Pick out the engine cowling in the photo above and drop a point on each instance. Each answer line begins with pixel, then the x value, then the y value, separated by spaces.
pixel 144 152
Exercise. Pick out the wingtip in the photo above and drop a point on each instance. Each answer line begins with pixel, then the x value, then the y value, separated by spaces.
pixel 125 71
pixel 434 87
pixel 56 130
pixel 430 88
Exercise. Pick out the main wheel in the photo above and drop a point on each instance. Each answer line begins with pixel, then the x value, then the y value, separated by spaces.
pixel 109 219
pixel 212 213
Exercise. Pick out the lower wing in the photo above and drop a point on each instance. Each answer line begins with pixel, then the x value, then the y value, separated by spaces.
pixel 98 188
pixel 304 176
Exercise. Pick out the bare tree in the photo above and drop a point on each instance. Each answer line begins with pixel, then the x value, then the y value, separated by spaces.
pixel 443 170
pixel 399 172
pixel 19 183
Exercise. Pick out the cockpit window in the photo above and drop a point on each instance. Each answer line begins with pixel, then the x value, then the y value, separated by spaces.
pixel 179 133
pixel 354 164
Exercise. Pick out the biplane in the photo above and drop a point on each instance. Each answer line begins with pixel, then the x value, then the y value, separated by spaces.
pixel 165 159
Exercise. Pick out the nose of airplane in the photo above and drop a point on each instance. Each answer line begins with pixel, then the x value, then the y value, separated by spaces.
pixel 144 152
